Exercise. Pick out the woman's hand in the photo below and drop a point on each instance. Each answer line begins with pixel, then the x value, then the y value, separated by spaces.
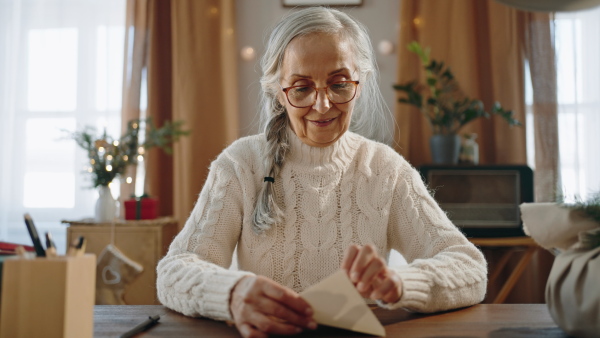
pixel 260 307
pixel 370 274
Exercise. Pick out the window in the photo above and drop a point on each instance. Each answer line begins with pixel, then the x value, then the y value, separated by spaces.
pixel 578 83
pixel 62 66
pixel 578 79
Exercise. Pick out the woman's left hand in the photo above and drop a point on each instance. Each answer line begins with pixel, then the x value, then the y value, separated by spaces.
pixel 370 274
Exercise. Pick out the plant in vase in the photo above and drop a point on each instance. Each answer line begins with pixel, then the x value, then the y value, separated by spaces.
pixel 109 157
pixel 445 106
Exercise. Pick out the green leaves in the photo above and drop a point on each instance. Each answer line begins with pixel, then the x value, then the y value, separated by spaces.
pixel 589 207
pixel 441 99
pixel 163 137
pixel 109 157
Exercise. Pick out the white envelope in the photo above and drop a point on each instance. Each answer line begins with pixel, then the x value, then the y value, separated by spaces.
pixel 337 303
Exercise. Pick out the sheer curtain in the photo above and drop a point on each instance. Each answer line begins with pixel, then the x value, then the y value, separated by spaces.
pixel 577 44
pixel 61 66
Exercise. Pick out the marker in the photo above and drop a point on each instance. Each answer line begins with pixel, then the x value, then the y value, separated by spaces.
pixel 77 247
pixel 39 249
pixel 150 322
pixel 50 246
pixel 80 247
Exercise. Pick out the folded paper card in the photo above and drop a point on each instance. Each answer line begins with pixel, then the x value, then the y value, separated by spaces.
pixel 337 303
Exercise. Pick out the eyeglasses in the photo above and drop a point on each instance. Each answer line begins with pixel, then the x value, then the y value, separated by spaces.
pixel 305 96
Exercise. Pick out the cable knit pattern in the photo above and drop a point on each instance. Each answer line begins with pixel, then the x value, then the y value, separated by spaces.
pixel 354 191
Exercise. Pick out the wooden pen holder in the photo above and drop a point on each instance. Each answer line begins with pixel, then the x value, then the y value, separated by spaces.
pixel 48 297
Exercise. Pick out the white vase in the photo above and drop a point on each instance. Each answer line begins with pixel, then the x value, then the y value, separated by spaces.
pixel 106 206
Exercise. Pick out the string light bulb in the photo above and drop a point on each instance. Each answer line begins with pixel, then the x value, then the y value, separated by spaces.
pixel 129 180
pixel 109 167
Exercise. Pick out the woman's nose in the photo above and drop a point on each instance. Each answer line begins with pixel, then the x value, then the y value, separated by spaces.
pixel 322 104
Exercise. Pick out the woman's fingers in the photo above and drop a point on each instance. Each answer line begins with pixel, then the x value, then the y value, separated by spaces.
pixel 388 289
pixel 247 331
pixel 372 271
pixel 369 273
pixel 277 310
pixel 349 257
pixel 361 262
pixel 261 306
pixel 288 297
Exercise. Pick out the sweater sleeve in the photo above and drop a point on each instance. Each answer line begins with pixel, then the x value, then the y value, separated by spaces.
pixel 193 278
pixel 445 270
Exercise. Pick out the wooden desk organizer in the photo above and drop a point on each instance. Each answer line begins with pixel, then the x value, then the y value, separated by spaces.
pixel 48 297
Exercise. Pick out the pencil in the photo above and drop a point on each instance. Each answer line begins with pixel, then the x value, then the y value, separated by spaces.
pixel 147 324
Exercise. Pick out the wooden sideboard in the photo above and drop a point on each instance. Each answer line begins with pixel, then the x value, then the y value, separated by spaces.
pixel 143 241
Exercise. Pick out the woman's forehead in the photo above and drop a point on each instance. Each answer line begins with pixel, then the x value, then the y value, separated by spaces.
pixel 317 55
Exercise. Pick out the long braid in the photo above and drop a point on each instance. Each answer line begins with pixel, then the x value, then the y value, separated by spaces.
pixel 267 212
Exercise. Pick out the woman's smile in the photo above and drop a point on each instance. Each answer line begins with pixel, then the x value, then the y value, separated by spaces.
pixel 322 122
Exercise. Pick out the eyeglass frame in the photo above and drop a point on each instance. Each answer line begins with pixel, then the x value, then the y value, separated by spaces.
pixel 286 89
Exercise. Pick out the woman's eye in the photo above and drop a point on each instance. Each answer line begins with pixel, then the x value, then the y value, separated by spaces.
pixel 301 89
pixel 339 85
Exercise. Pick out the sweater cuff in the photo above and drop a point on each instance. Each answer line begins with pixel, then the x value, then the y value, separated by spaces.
pixel 217 290
pixel 416 288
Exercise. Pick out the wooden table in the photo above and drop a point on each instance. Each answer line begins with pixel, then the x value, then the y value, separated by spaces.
pixel 483 320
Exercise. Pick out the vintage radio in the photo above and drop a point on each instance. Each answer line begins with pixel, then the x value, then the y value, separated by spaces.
pixel 482 200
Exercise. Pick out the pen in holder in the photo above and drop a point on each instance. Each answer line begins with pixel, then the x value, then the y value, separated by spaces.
pixel 48 297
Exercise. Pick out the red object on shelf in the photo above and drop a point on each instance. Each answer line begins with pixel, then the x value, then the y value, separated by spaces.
pixel 7 248
pixel 141 208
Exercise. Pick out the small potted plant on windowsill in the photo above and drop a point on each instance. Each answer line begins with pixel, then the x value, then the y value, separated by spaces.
pixel 445 106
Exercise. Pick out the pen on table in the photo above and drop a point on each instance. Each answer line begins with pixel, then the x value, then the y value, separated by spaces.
pixel 148 323
pixel 50 246
pixel 39 249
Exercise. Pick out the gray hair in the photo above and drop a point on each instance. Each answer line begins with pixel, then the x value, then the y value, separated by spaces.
pixel 370 112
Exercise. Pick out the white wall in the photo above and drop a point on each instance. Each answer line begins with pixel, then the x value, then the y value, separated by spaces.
pixel 254 20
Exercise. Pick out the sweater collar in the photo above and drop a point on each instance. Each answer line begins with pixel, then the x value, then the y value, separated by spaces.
pixel 335 156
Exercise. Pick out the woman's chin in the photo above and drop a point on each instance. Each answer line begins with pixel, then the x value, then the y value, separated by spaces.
pixel 322 140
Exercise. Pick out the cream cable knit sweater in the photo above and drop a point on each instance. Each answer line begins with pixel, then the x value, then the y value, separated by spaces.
pixel 355 191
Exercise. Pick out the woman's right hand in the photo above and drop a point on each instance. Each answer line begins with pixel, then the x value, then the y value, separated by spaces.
pixel 260 307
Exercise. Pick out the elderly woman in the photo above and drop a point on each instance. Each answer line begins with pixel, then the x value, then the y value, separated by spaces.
pixel 308 197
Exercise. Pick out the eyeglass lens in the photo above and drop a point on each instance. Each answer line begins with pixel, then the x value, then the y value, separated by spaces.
pixel 338 92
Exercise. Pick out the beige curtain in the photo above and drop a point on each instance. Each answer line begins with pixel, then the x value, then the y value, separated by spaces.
pixel 486 45
pixel 191 72
pixel 542 64
pixel 136 36
pixel 481 41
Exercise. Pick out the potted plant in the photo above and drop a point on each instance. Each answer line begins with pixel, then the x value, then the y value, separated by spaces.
pixel 445 106
pixel 109 157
